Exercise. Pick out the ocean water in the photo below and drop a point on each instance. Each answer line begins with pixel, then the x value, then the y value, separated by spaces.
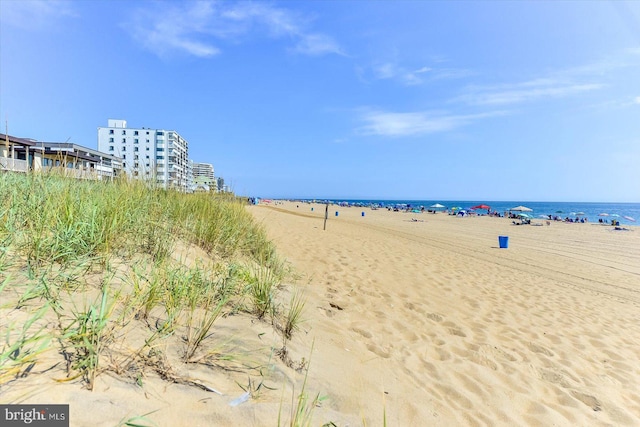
pixel 591 211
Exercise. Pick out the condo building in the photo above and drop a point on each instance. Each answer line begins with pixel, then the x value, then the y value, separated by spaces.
pixel 155 155
pixel 203 176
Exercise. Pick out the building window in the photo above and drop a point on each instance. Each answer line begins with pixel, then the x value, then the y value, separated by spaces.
pixel 110 131
pixel 124 156
pixel 159 149
pixel 135 141
pixel 124 140
pixel 159 133
pixel 124 132
pixel 124 148
pixel 111 148
pixel 147 156
pixel 135 148
pixel 147 134
pixel 110 139
pixel 147 148
pixel 135 132
pixel 160 157
pixel 147 141
pixel 135 157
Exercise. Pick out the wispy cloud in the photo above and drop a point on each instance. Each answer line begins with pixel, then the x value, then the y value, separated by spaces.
pixel 525 91
pixel 35 14
pixel 197 28
pixel 392 124
pixel 175 28
pixel 415 76
pixel 572 81
pixel 317 44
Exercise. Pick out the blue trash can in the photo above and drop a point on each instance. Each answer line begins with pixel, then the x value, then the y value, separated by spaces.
pixel 504 242
pixel 362 213
pixel 336 213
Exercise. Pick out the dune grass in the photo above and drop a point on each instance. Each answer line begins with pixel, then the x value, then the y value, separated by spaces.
pixel 83 263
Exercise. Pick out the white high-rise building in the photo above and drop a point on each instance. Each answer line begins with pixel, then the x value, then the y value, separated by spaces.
pixel 158 155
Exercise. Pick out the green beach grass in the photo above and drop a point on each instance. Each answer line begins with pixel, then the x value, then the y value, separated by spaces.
pixel 86 264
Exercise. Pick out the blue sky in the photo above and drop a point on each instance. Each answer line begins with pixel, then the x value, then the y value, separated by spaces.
pixel 479 100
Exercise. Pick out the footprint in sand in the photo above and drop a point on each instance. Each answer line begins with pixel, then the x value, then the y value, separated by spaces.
pixel 435 317
pixel 376 349
pixel 588 400
pixel 554 377
pixel 362 332
pixel 326 311
pixel 484 361
pixel 410 306
pixel 539 349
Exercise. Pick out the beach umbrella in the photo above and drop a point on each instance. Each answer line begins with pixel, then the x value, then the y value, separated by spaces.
pixel 521 209
pixel 559 212
pixel 615 215
pixel 487 207
pixel 603 214
pixel 437 206
pixel 543 216
pixel 629 218
pixel 524 215
pixel 580 213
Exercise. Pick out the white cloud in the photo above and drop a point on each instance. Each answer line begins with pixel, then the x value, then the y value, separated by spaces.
pixel 196 28
pixel 636 100
pixel 392 124
pixel 34 14
pixel 317 44
pixel 524 91
pixel 412 77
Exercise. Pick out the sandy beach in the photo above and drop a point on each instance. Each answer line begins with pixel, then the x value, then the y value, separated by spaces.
pixel 429 322
pixel 410 319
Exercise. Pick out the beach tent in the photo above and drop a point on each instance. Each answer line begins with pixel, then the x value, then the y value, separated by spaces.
pixel 521 209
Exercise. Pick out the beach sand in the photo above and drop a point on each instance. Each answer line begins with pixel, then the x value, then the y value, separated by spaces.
pixel 407 323
pixel 429 322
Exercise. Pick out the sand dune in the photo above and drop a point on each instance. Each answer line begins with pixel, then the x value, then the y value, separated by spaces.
pixel 430 322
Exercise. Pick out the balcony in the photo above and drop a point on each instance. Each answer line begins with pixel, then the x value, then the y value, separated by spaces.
pixel 15 165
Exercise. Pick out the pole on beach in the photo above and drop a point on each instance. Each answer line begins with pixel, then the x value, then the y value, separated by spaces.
pixel 326 215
